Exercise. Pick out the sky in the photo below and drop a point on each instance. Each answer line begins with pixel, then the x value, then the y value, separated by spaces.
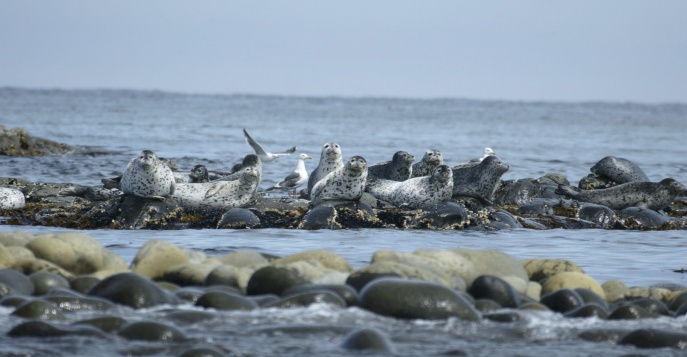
pixel 525 50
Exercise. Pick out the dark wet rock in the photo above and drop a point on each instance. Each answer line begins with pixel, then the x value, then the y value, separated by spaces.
pixel 415 299
pixel 224 301
pixel 384 269
pixel 264 300
pixel 504 218
pixel 630 312
pixel 279 213
pixel 589 296
pixel 597 214
pixel 651 338
pixel 239 218
pixel 16 281
pixel 18 142
pixel 368 339
pixel 507 316
pixel 341 214
pixel 85 303
pixel 321 217
pixel 485 305
pixel 14 300
pixel 39 310
pixel 653 306
pixel 562 300
pixel 189 294
pixel 591 309
pixel 64 292
pixel 609 336
pixel 534 306
pixel 83 283
pixel 202 352
pixel 678 301
pixel 132 290
pixel 151 331
pixel 137 212
pixel 44 281
pixel 538 207
pixel 45 329
pixel 274 280
pixel 189 317
pixel 642 219
pixel 346 292
pixel 445 215
pixel 104 323
pixel 307 298
pixel 495 289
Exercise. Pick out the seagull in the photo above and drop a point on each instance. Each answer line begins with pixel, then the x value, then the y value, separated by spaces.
pixel 487 152
pixel 264 155
pixel 295 179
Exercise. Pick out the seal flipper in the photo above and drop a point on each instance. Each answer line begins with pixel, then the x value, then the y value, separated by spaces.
pixel 215 189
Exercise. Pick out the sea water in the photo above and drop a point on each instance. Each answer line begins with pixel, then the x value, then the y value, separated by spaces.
pixel 110 127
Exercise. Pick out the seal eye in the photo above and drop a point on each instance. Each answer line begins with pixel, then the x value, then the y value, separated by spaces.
pixel 326 146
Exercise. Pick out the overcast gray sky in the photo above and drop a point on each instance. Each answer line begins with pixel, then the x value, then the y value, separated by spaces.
pixel 615 50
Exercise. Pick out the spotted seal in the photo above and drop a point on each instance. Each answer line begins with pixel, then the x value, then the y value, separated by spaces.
pixel 147 176
pixel 11 198
pixel 415 192
pixel 346 183
pixel 250 160
pixel 218 194
pixel 619 170
pixel 651 195
pixel 198 173
pixel 400 168
pixel 478 181
pixel 330 159
pixel 429 162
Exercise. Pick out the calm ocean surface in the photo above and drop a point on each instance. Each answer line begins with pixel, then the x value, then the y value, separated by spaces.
pixel 534 138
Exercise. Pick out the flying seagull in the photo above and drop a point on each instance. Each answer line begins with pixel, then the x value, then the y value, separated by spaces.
pixel 295 179
pixel 264 155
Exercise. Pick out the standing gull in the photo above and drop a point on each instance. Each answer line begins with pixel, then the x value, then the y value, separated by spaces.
pixel 264 155
pixel 295 179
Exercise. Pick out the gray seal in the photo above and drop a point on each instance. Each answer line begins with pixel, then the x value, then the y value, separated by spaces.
pixel 415 192
pixel 651 195
pixel 345 184
pixel 429 162
pixel 331 159
pixel 479 181
pixel 91 193
pixel 400 168
pixel 11 198
pixel 218 194
pixel 619 170
pixel 147 176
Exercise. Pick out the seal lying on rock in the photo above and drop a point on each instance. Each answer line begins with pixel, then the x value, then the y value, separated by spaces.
pixel 400 168
pixel 11 198
pixel 652 195
pixel 346 183
pixel 218 194
pixel 250 160
pixel 619 170
pixel 429 162
pixel 479 181
pixel 147 176
pixel 330 159
pixel 415 192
